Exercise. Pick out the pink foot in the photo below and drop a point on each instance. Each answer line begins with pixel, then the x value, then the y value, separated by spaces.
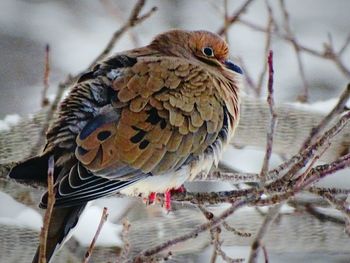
pixel 152 197
pixel 167 196
pixel 167 201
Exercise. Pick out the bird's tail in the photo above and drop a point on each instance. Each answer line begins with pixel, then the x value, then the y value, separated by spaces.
pixel 63 220
pixel 33 171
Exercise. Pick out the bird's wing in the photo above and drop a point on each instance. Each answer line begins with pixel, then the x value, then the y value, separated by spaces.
pixel 171 111
pixel 165 112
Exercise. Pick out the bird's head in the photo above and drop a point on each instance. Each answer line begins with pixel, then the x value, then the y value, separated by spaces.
pixel 201 45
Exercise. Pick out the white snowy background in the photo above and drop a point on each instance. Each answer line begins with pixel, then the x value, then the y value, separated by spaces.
pixel 78 30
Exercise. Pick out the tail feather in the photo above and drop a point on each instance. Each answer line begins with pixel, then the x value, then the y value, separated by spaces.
pixel 32 171
pixel 63 220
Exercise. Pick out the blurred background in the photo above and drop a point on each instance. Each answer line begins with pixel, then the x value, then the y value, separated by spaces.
pixel 77 31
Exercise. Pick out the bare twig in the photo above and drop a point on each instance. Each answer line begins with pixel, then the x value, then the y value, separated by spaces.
pixel 266 255
pixel 103 219
pixel 235 231
pixel 226 20
pixel 134 19
pixel 292 39
pixel 126 245
pixel 233 18
pixel 194 233
pixel 340 205
pixel 334 191
pixel 215 237
pixel 50 204
pixel 112 8
pixel 298 161
pixel 343 99
pixel 344 47
pixel 328 52
pixel 44 99
pixel 312 210
pixel 257 243
pixel 224 256
pixel 234 178
pixel 270 101
pixel 270 23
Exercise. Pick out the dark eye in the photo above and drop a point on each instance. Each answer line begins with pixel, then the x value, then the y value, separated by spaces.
pixel 208 51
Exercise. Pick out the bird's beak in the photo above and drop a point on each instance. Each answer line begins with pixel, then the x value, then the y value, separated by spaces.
pixel 232 66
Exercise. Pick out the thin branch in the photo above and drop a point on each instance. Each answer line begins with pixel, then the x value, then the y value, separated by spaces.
pixel 117 14
pixel 270 23
pixel 44 99
pixel 324 170
pixel 287 27
pixel 344 47
pixel 224 256
pixel 299 161
pixel 126 245
pixel 257 243
pixel 323 217
pixel 215 236
pixel 334 191
pixel 103 219
pixel 215 233
pixel 327 53
pixel 266 255
pixel 234 178
pixel 226 21
pixel 235 231
pixel 234 17
pixel 273 116
pixel 339 108
pixel 194 233
pixel 314 175
pixel 134 19
pixel 47 217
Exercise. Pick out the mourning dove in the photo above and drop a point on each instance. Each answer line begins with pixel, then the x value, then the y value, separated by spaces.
pixel 143 121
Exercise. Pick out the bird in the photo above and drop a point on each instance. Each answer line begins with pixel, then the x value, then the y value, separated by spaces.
pixel 140 122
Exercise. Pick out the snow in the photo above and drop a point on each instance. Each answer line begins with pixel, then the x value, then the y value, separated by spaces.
pixel 87 227
pixel 14 213
pixel 247 159
pixel 17 214
pixel 324 106
pixel 9 121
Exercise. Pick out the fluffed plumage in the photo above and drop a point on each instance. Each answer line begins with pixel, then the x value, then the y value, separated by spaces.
pixel 145 120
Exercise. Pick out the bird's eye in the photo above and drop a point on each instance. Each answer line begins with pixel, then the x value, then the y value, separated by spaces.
pixel 208 51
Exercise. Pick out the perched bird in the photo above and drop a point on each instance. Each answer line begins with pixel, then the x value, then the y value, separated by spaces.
pixel 143 121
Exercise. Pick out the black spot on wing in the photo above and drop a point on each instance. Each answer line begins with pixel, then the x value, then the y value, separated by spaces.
pixel 154 118
pixel 138 136
pixel 163 124
pixel 97 122
pixel 143 144
pixel 103 135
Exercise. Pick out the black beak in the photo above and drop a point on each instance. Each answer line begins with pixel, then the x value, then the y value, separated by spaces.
pixel 232 66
